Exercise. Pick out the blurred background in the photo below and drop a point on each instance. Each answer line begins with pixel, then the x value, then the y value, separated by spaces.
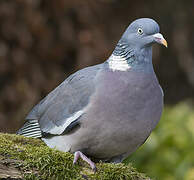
pixel 44 41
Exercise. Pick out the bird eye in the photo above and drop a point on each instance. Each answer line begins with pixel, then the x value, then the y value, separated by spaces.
pixel 140 31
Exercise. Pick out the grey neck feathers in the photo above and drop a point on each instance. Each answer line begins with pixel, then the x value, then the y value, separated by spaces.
pixel 125 52
pixel 139 58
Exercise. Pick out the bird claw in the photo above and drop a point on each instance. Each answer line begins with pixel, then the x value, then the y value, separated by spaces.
pixel 78 154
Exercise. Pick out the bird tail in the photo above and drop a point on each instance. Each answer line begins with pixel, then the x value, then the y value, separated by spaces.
pixel 30 129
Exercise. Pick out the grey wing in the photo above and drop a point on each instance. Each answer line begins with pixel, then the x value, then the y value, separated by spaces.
pixel 61 109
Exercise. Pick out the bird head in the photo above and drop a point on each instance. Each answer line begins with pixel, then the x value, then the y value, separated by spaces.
pixel 134 49
pixel 142 33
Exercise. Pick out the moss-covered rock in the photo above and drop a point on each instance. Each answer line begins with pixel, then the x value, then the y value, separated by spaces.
pixel 28 158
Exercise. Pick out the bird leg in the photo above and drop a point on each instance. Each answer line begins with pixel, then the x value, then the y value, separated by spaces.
pixel 78 154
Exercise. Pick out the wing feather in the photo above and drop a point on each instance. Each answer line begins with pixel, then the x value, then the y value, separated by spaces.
pixel 63 106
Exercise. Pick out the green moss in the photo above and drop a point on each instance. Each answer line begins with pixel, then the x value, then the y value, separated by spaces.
pixel 37 161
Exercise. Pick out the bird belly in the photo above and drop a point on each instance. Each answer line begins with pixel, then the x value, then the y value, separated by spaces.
pixel 121 134
pixel 116 123
pixel 121 125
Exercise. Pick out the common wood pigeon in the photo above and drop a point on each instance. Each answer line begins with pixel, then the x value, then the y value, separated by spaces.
pixel 108 110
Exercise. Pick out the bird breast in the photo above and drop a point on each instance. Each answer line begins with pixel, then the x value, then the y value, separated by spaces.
pixel 123 112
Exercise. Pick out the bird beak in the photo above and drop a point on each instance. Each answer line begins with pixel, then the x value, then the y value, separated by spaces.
pixel 160 39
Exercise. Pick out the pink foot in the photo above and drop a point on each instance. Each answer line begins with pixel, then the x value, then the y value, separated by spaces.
pixel 78 154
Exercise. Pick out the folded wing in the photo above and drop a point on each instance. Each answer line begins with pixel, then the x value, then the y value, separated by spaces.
pixel 61 109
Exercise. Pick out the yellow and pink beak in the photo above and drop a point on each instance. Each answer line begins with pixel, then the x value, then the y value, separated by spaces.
pixel 160 39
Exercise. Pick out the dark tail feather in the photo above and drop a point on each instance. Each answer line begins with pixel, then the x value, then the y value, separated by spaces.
pixel 30 129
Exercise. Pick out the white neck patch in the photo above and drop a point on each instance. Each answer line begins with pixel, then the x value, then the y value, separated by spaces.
pixel 118 63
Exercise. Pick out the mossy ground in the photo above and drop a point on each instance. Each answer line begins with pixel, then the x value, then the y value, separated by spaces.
pixel 34 160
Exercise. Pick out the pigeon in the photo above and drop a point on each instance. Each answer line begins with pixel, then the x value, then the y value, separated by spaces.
pixel 106 111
